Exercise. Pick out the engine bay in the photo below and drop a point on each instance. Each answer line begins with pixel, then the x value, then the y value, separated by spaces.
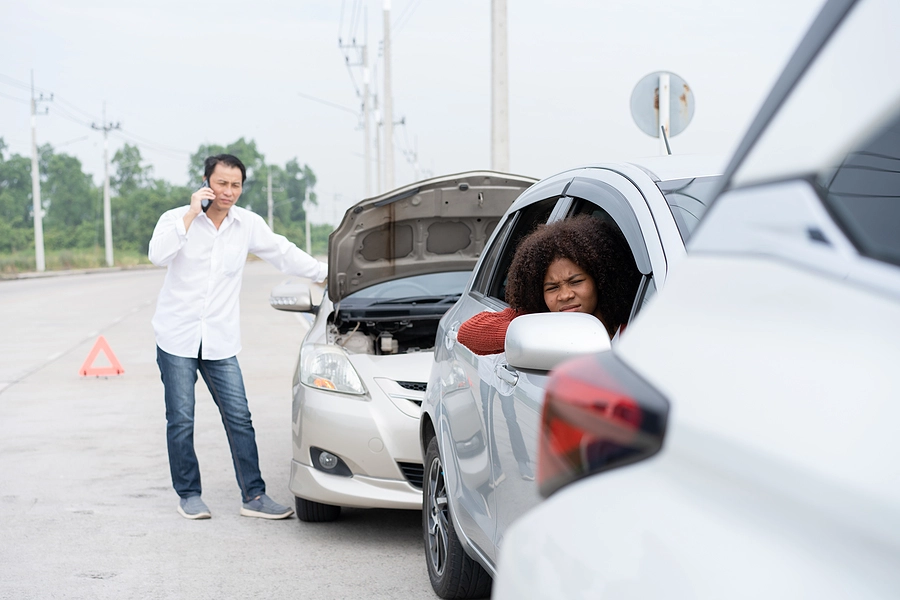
pixel 386 335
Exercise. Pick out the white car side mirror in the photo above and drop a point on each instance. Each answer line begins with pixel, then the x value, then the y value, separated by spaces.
pixel 543 340
pixel 292 296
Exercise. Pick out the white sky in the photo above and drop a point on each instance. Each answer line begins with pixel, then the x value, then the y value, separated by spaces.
pixel 177 74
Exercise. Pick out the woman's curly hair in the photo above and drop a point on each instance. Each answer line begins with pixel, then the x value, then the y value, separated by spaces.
pixel 595 246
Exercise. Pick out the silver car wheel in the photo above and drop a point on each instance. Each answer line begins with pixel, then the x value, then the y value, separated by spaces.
pixel 438 517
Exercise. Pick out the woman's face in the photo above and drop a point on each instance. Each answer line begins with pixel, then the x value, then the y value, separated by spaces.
pixel 569 288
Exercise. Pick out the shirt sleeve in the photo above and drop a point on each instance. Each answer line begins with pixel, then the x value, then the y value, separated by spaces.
pixel 169 236
pixel 485 333
pixel 283 254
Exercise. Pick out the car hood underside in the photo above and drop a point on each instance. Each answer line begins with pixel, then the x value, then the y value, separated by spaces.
pixel 432 226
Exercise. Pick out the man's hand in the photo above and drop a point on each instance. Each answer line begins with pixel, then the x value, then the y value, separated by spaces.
pixel 204 193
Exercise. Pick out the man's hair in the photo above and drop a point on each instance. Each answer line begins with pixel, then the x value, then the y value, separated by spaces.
pixel 229 160
pixel 597 247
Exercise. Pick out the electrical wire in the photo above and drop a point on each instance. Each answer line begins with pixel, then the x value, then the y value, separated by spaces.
pixel 405 15
pixel 22 100
pixel 327 103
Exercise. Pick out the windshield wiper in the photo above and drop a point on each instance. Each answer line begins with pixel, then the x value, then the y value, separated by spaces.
pixel 420 300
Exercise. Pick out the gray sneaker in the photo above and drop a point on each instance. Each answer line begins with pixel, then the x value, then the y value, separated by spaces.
pixel 265 508
pixel 193 508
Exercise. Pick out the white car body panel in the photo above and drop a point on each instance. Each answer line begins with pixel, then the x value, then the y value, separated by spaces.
pixel 792 499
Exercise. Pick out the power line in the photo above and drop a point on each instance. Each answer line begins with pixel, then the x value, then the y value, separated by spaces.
pixel 156 146
pixel 179 154
pixel 90 116
pixel 24 85
pixel 327 103
pixel 22 100
pixel 405 15
pixel 69 116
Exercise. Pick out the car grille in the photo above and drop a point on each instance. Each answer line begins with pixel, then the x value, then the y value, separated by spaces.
pixel 412 385
pixel 414 473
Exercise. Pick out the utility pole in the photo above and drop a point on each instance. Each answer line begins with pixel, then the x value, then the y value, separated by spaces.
pixel 107 218
pixel 40 265
pixel 499 88
pixel 416 160
pixel 269 197
pixel 388 117
pixel 306 218
pixel 368 141
pixel 363 61
pixel 378 169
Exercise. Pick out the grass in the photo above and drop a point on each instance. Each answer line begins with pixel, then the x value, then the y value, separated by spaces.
pixel 63 260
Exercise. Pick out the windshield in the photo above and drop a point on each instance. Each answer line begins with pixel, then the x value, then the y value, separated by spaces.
pixel 688 199
pixel 438 285
pixel 822 119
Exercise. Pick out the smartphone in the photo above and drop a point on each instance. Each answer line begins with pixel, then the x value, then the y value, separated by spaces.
pixel 204 204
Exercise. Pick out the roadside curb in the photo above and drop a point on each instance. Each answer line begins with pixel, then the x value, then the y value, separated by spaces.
pixel 37 275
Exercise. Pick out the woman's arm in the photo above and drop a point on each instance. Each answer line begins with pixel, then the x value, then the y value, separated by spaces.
pixel 485 333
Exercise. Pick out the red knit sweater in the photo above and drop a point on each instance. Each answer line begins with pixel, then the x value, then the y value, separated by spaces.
pixel 485 333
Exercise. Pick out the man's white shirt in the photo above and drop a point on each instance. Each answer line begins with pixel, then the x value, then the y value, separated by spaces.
pixel 200 297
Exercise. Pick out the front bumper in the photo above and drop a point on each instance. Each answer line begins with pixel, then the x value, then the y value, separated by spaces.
pixel 357 491
pixel 376 436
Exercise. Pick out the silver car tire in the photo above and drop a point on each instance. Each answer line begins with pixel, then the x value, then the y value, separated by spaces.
pixel 316 512
pixel 453 573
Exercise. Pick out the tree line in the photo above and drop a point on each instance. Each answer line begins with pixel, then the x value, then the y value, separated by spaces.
pixel 73 203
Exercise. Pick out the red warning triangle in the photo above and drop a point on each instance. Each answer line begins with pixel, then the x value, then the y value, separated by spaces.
pixel 88 368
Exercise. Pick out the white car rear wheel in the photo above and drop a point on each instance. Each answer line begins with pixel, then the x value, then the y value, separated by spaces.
pixel 453 573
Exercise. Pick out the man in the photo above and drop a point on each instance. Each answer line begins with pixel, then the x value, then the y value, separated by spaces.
pixel 198 328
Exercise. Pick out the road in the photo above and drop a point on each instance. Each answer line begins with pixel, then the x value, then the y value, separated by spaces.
pixel 86 504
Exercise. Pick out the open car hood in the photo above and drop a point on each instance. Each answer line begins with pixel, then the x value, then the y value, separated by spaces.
pixel 431 226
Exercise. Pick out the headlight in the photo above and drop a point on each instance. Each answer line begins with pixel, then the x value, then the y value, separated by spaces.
pixel 328 368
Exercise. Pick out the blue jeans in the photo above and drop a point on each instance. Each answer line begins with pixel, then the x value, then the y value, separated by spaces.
pixel 226 384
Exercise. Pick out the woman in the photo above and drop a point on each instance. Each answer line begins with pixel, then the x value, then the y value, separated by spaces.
pixel 579 264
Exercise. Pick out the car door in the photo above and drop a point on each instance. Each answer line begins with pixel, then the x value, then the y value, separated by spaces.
pixel 468 446
pixel 515 409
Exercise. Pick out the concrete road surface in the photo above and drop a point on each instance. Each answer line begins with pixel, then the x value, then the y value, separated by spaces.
pixel 86 504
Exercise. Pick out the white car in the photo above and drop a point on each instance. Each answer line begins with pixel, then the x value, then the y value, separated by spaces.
pixel 741 440
pixel 481 414
pixel 396 263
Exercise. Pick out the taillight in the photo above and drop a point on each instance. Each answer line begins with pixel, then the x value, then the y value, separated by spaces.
pixel 598 415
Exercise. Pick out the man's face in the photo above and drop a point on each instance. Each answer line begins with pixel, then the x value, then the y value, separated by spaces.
pixel 226 182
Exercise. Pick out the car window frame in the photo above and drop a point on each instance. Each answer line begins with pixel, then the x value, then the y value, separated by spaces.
pixel 617 209
pixel 497 258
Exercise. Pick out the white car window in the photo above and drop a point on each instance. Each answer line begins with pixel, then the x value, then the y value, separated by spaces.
pixel 863 193
pixel 494 272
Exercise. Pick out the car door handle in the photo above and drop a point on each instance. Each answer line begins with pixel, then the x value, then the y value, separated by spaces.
pixel 507 374
pixel 450 338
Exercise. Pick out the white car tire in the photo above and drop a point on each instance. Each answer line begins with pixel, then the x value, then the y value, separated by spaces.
pixel 453 573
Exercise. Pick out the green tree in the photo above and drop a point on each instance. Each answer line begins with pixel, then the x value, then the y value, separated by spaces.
pixel 73 203
pixel 289 186
pixel 130 174
pixel 16 208
pixel 135 215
